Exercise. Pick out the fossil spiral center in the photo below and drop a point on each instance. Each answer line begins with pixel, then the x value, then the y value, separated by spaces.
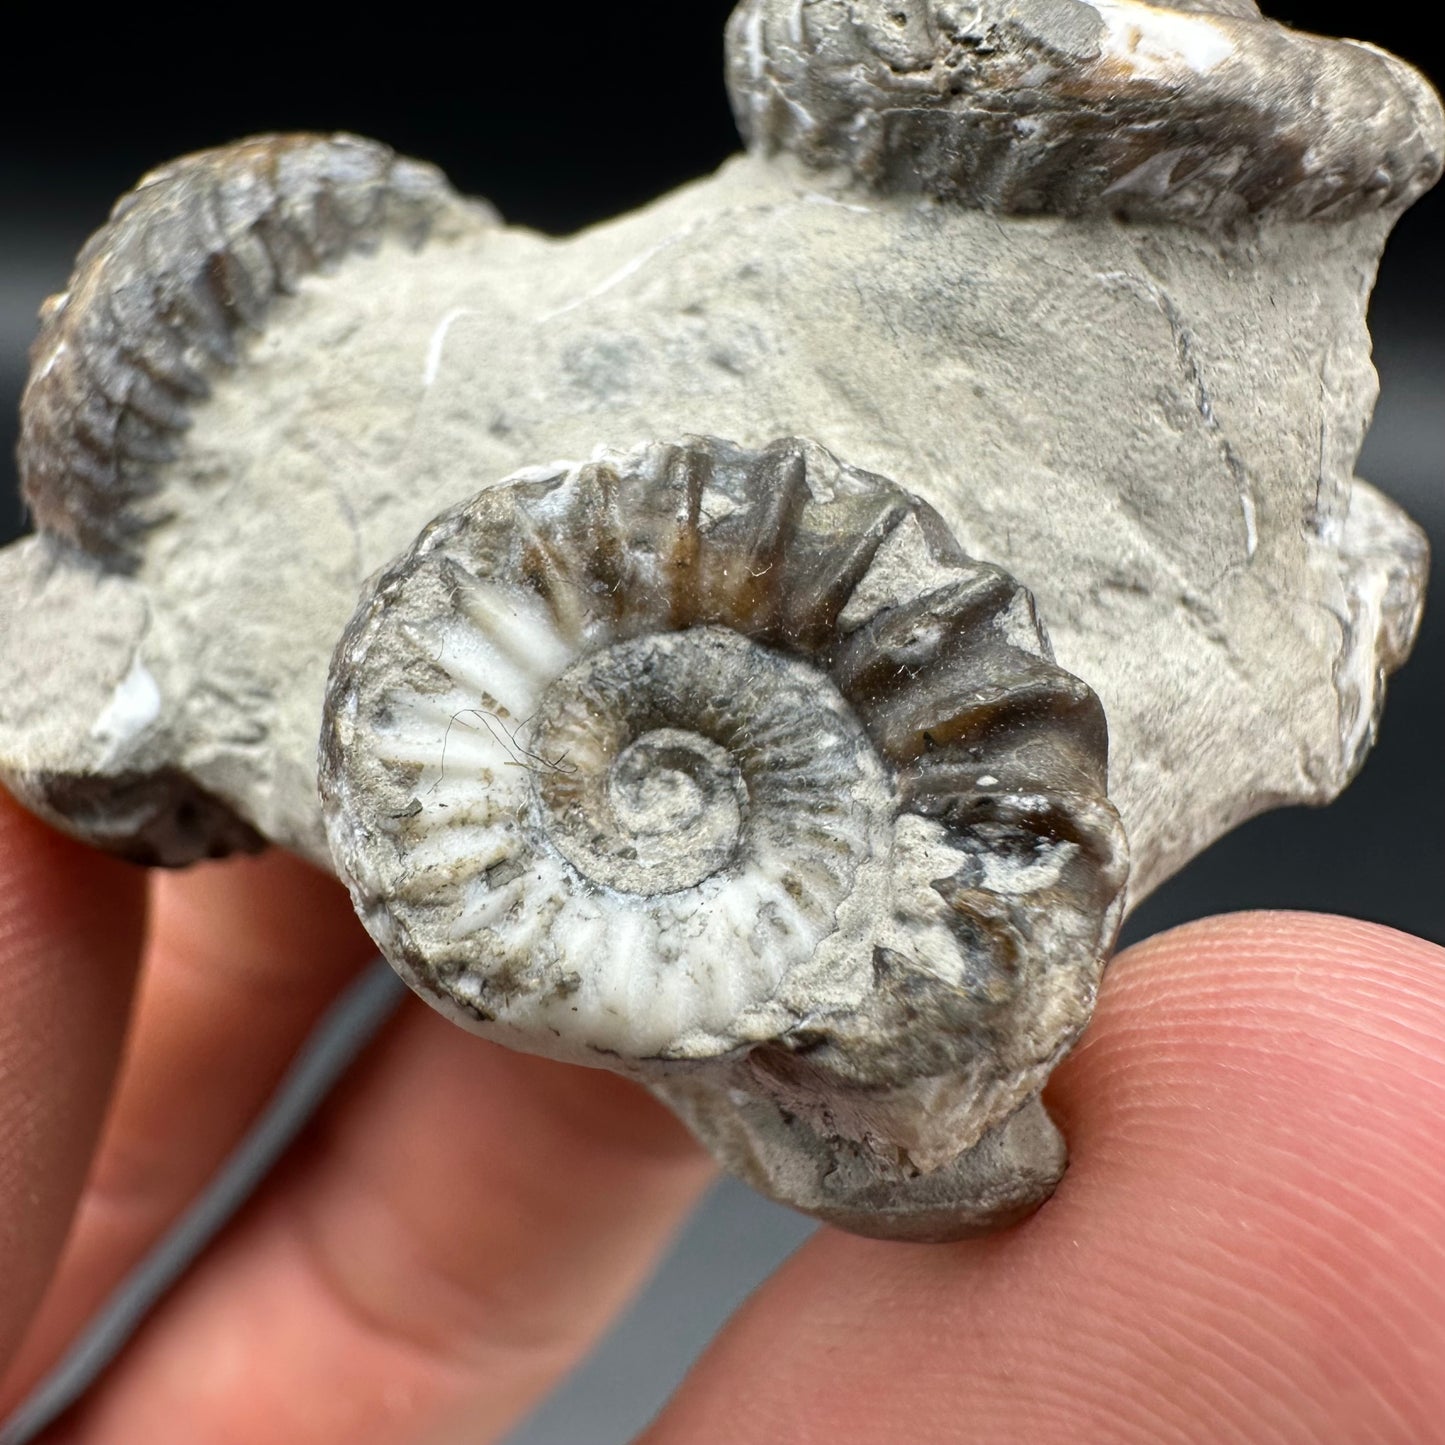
pixel 672 758
pixel 673 790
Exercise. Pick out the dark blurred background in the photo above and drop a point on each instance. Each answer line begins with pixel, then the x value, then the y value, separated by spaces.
pixel 568 113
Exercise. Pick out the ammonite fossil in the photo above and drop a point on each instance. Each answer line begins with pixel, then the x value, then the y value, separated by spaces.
pixel 729 767
pixel 1197 111
pixel 164 296
pixel 1087 278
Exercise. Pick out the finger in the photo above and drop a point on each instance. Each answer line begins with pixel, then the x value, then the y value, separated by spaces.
pixel 455 1233
pixel 1249 1244
pixel 243 958
pixel 70 933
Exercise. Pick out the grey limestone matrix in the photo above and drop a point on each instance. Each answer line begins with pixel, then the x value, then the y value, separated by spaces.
pixel 955 531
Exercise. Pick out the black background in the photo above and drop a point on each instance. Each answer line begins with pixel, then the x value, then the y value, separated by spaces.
pixel 566 113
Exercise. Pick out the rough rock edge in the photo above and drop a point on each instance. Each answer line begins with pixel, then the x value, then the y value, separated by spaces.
pixel 1020 110
pixel 164 294
pixel 1012 1170
pixel 158 820
pixel 1388 556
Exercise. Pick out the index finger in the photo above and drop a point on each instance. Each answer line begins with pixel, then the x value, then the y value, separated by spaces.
pixel 71 924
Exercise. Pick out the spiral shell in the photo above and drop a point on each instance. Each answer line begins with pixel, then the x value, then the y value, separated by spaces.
pixel 697 756
pixel 1202 112
pixel 163 296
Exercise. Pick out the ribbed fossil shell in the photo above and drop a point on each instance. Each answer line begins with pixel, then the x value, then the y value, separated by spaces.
pixel 163 295
pixel 1202 113
pixel 693 751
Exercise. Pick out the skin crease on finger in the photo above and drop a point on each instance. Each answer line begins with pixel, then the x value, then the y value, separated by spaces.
pixel 70 934
pixel 1249 1245
pixel 241 959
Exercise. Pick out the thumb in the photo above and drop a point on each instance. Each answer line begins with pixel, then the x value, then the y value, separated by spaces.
pixel 1249 1244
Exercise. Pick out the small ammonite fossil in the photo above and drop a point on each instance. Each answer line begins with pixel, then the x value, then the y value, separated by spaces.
pixel 165 296
pixel 727 769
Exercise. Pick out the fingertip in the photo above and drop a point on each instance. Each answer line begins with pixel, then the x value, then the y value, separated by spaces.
pixel 1257 1173
pixel 1249 1243
pixel 1322 1025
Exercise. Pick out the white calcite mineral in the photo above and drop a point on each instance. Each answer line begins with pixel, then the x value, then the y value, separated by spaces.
pixel 955 531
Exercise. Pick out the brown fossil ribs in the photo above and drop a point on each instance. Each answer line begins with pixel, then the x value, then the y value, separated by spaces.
pixel 1201 113
pixel 163 296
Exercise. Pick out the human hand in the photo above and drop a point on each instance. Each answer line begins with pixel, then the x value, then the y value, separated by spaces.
pixel 1249 1245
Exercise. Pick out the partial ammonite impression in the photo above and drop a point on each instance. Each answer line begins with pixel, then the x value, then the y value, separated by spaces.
pixel 727 769
pixel 1195 111
pixel 163 296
